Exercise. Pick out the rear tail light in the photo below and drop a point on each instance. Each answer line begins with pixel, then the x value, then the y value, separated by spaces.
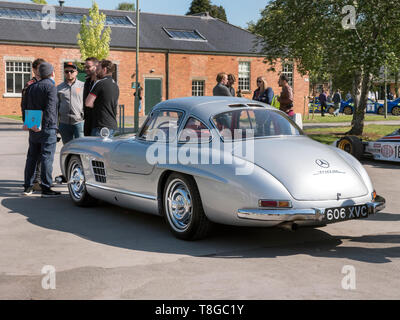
pixel 274 204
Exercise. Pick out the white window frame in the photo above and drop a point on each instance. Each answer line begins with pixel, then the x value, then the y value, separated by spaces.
pixel 244 76
pixel 198 86
pixel 23 71
pixel 289 73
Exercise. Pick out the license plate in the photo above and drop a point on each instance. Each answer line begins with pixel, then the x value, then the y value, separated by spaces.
pixel 346 213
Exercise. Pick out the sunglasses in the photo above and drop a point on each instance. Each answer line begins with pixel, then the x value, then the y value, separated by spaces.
pixel 69 71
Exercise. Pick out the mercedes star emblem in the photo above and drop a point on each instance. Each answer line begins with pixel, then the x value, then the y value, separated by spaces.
pixel 322 163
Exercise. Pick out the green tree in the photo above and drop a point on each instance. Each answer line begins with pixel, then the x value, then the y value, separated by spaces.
pixel 218 12
pixel 39 1
pixel 93 39
pixel 318 35
pixel 199 6
pixel 126 6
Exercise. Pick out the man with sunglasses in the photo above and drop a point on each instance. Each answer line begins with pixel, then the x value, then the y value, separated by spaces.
pixel 70 104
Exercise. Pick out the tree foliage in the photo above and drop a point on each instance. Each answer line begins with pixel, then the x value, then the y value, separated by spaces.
pixel 39 1
pixel 93 39
pixel 200 6
pixel 126 6
pixel 218 12
pixel 316 35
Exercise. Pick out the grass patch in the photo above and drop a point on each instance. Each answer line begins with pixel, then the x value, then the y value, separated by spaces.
pixel 343 118
pixel 12 117
pixel 329 135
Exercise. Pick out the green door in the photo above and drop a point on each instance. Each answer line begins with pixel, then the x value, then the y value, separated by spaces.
pixel 152 93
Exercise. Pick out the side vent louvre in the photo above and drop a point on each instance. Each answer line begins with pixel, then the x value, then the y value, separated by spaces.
pixel 99 171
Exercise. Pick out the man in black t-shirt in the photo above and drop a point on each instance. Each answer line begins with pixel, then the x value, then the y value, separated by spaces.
pixel 90 69
pixel 103 98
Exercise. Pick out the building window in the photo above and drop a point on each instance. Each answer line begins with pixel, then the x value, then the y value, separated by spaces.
pixel 192 35
pixel 244 75
pixel 65 17
pixel 198 88
pixel 287 69
pixel 17 74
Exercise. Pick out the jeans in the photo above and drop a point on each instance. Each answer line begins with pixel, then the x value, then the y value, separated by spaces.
pixel 96 132
pixel 71 131
pixel 337 109
pixel 42 147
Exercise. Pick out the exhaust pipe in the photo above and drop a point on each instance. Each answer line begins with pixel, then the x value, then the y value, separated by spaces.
pixel 289 226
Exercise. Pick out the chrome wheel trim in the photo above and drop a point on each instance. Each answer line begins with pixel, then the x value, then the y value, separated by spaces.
pixel 396 111
pixel 178 205
pixel 77 181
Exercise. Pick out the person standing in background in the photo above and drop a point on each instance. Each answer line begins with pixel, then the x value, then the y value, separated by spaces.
pixel 221 88
pixel 337 99
pixel 286 97
pixel 90 69
pixel 322 100
pixel 263 93
pixel 103 98
pixel 231 82
pixel 42 96
pixel 35 78
pixel 70 104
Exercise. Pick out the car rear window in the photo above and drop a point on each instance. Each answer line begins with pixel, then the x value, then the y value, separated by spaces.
pixel 249 123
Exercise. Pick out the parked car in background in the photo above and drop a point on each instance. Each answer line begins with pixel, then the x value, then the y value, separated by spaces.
pixel 393 108
pixel 347 107
pixel 386 148
pixel 315 106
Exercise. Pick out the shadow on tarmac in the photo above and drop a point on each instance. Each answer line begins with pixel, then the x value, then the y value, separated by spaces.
pixel 114 226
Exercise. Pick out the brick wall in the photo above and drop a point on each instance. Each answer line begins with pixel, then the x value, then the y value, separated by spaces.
pixel 183 68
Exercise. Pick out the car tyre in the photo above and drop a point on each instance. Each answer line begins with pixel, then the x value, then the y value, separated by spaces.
pixel 352 145
pixel 396 111
pixel 381 111
pixel 331 110
pixel 348 111
pixel 183 208
pixel 77 183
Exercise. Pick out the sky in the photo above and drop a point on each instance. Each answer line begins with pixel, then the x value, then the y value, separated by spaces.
pixel 238 12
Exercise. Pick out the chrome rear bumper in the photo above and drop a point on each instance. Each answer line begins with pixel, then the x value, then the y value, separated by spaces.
pixel 291 215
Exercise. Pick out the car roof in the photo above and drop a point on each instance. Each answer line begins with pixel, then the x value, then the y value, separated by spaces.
pixel 205 107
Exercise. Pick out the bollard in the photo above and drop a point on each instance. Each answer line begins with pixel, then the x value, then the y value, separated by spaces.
pixel 122 118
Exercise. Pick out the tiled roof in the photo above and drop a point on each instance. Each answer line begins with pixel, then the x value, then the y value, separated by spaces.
pixel 220 37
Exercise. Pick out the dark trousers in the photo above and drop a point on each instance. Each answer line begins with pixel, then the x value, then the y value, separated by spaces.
pixel 323 108
pixel 42 147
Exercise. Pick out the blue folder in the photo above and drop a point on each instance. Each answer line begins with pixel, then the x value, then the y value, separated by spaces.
pixel 33 118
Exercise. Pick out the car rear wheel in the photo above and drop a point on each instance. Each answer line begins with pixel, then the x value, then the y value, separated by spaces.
pixel 348 110
pixel 183 209
pixel 352 145
pixel 76 183
pixel 331 110
pixel 396 111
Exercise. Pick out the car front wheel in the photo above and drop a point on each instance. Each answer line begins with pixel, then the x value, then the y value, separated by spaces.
pixel 183 209
pixel 352 145
pixel 76 183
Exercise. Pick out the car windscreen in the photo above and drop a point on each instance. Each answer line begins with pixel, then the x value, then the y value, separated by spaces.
pixel 254 123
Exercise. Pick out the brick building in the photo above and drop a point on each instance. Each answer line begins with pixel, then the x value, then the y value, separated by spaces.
pixel 180 55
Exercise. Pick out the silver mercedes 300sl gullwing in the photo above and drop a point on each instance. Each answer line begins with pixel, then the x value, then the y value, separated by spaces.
pixel 203 160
